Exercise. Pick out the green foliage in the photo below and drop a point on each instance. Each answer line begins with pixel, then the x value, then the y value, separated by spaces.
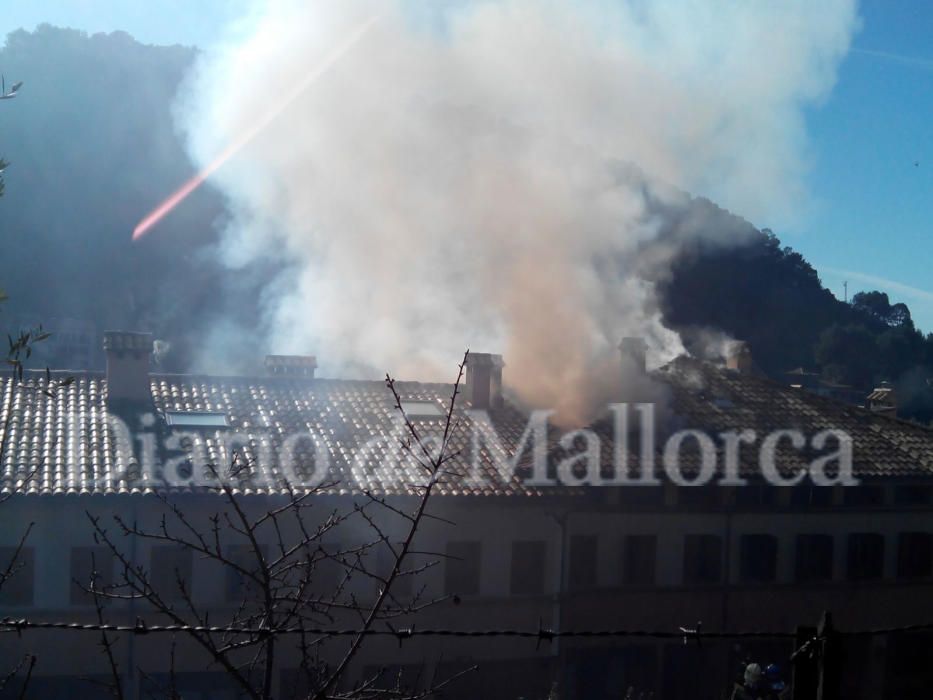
pixel 848 354
pixel 97 136
pixel 21 347
pixel 772 298
pixel 915 394
pixel 877 305
pixel 759 292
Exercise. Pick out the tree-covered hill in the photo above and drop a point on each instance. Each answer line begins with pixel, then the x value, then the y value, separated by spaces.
pixel 772 298
pixel 93 146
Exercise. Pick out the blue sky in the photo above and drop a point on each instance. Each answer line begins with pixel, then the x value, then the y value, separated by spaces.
pixel 871 140
pixel 872 176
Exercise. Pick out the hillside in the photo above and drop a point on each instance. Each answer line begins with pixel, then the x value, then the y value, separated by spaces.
pixel 93 146
pixel 772 298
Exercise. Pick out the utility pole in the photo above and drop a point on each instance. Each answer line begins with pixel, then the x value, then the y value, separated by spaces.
pixel 845 293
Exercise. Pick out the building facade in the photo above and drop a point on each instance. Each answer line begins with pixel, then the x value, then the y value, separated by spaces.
pixel 504 550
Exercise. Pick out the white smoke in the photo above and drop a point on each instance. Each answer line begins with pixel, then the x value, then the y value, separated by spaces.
pixel 453 179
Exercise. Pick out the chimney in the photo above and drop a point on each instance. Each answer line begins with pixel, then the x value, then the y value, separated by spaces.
pixel 739 357
pixel 291 366
pixel 634 355
pixel 484 380
pixel 883 399
pixel 128 356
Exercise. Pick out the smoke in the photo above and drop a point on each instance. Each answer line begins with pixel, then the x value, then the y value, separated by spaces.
pixel 480 175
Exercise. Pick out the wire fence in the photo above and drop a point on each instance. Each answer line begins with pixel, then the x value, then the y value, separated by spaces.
pixel 541 633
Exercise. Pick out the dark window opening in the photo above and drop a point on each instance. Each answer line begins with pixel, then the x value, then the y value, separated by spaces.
pixel 814 558
pixel 865 556
pixel 639 553
pixel 239 584
pixel 462 568
pixel 758 558
pixel 403 585
pixel 583 562
pixel 528 567
pixel 85 563
pixel 702 559
pixel 17 589
pixel 914 555
pixel 170 564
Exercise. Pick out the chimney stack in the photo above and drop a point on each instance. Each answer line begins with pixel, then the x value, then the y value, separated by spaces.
pixel 883 399
pixel 128 356
pixel 634 355
pixel 484 380
pixel 291 366
pixel 739 357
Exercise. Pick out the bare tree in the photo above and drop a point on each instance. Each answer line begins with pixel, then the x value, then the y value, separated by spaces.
pixel 294 573
pixel 20 350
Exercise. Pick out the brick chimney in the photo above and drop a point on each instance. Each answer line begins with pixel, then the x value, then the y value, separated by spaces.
pixel 484 380
pixel 128 356
pixel 634 355
pixel 291 366
pixel 739 357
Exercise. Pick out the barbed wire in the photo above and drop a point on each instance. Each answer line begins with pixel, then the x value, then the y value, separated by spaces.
pixel 696 634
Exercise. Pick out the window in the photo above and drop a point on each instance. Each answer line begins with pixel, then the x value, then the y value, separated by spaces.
pixel 758 558
pixel 528 565
pixel 638 559
pixel 702 559
pixel 814 558
pixel 865 556
pixel 18 588
pixel 422 409
pixel 86 561
pixel 462 568
pixel 197 419
pixel 914 555
pixel 326 573
pixel 403 586
pixel 238 586
pixel 168 564
pixel 583 558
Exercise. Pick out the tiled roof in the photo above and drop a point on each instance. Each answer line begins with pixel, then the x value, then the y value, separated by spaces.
pixel 60 442
pixel 716 400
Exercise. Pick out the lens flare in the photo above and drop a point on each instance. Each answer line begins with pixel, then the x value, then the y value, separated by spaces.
pixel 177 197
